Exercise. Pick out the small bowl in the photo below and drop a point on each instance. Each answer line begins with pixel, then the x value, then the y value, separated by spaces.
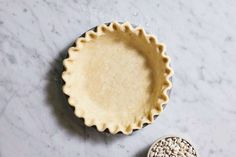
pixel 170 136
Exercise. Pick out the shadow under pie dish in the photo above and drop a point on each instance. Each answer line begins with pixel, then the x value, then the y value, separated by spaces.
pixel 117 77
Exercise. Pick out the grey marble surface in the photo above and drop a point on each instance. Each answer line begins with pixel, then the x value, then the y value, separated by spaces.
pixel 34 35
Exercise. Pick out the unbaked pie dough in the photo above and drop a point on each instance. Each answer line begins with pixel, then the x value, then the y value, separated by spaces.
pixel 117 77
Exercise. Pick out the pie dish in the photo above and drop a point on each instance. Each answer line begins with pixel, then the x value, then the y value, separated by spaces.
pixel 117 77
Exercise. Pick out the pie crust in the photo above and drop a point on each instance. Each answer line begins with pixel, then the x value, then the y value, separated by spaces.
pixel 117 77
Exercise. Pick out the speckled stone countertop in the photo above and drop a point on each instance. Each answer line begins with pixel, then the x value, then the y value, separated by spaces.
pixel 34 36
